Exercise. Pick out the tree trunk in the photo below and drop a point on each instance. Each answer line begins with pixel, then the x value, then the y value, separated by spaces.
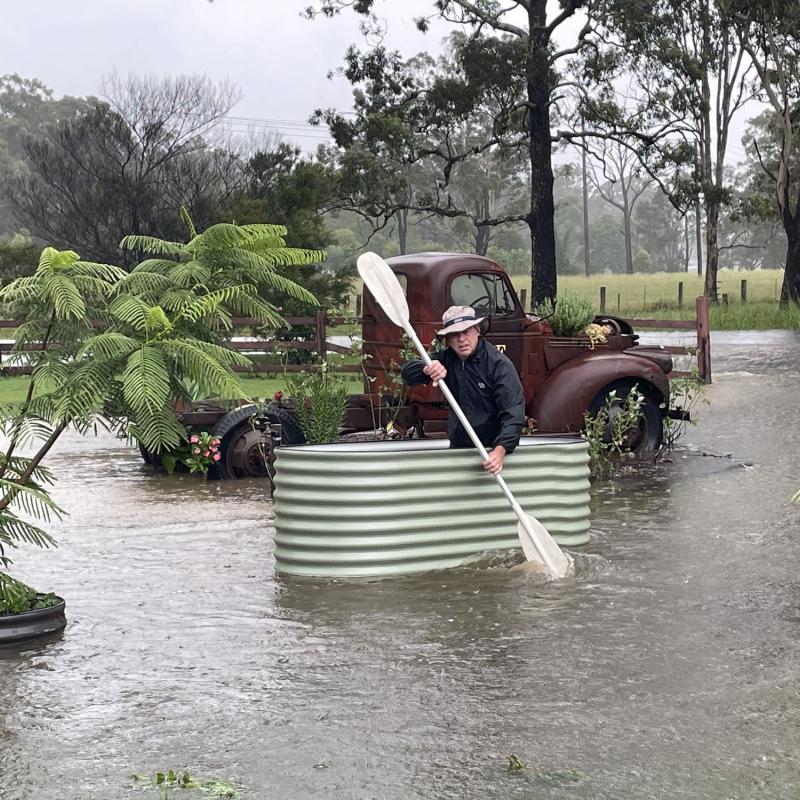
pixel 586 255
pixel 402 229
pixel 712 251
pixel 686 243
pixel 541 221
pixel 698 234
pixel 790 291
pixel 626 229
pixel 483 235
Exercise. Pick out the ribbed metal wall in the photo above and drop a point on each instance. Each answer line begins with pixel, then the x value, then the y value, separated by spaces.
pixel 392 508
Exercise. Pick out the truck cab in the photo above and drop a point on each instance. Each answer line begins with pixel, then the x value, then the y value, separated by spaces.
pixel 563 377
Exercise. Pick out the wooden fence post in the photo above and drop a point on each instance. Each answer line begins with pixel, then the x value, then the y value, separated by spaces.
pixel 744 290
pixel 523 296
pixel 602 299
pixel 618 302
pixel 321 337
pixel 680 294
pixel 358 305
pixel 703 339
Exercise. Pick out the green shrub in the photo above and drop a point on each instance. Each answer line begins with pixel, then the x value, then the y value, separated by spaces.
pixel 569 315
pixel 320 401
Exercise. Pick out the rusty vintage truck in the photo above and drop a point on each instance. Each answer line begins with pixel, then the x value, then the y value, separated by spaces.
pixel 563 377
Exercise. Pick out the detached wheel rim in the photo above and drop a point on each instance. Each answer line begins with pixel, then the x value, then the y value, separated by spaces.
pixel 250 454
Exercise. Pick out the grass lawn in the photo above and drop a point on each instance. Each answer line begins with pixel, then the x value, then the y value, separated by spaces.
pixel 13 388
pixel 656 297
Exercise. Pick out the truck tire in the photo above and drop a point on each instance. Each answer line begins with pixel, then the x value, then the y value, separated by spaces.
pixel 648 435
pixel 246 446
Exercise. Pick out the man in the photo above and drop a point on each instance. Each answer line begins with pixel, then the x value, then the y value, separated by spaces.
pixel 483 381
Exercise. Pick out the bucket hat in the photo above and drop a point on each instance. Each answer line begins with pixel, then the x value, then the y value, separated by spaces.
pixel 457 319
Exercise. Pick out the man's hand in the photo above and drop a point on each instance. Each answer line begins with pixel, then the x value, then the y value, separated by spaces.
pixel 494 463
pixel 436 371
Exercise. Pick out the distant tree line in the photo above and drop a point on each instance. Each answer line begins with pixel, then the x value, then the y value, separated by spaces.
pixel 458 152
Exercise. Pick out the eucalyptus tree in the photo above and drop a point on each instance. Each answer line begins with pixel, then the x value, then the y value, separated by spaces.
pixel 620 181
pixel 770 33
pixel 510 55
pixel 691 73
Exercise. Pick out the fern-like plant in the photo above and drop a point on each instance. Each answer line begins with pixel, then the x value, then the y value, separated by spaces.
pixel 227 257
pixel 128 377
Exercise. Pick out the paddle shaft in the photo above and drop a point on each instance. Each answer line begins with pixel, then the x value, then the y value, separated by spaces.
pixel 521 516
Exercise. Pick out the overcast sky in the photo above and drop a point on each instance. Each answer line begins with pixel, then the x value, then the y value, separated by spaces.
pixel 278 59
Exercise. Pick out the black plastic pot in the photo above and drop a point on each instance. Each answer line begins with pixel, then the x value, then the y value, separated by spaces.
pixel 32 624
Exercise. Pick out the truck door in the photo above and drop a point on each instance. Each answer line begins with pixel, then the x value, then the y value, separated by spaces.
pixel 492 296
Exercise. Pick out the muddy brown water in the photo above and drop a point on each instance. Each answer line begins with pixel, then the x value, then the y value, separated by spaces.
pixel 669 667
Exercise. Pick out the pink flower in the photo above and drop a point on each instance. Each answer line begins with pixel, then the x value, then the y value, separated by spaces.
pixel 215 441
pixel 207 453
pixel 277 396
pixel 194 438
pixel 217 456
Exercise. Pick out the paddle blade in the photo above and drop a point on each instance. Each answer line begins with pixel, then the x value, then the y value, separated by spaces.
pixel 386 289
pixel 539 545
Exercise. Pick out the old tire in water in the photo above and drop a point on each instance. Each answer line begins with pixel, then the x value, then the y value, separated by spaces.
pixel 246 442
pixel 39 622
pixel 647 435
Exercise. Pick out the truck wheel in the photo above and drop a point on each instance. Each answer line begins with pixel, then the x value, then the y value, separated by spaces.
pixel 246 444
pixel 646 436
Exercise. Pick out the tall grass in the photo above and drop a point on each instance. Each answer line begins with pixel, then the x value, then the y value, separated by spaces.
pixel 656 297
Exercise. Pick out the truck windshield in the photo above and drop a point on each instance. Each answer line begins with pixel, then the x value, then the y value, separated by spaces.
pixel 487 293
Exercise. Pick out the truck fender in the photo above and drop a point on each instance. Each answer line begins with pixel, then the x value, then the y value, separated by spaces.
pixel 568 390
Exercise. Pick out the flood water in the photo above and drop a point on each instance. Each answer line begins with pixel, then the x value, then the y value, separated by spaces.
pixel 668 667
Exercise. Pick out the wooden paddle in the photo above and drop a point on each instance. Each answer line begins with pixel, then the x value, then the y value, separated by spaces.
pixel 537 543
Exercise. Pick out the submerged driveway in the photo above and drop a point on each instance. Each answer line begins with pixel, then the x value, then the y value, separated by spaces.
pixel 667 668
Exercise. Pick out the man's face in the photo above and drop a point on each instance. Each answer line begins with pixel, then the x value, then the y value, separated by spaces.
pixel 463 342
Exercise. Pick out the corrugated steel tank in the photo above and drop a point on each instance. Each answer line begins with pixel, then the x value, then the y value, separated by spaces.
pixel 398 507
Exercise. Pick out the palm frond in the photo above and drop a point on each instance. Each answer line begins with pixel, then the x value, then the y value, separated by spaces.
pixel 14 530
pixel 105 272
pixel 158 430
pixel 189 273
pixel 145 381
pixel 143 283
pixel 34 425
pixel 222 235
pixel 189 222
pixel 261 230
pixel 20 289
pixel 248 305
pixel 175 299
pixel 207 305
pixel 159 266
pixel 130 310
pixel 289 256
pixel 35 502
pixel 86 391
pixel 50 375
pixel 16 465
pixel 150 244
pixel 64 296
pixel 108 345
pixel 204 369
